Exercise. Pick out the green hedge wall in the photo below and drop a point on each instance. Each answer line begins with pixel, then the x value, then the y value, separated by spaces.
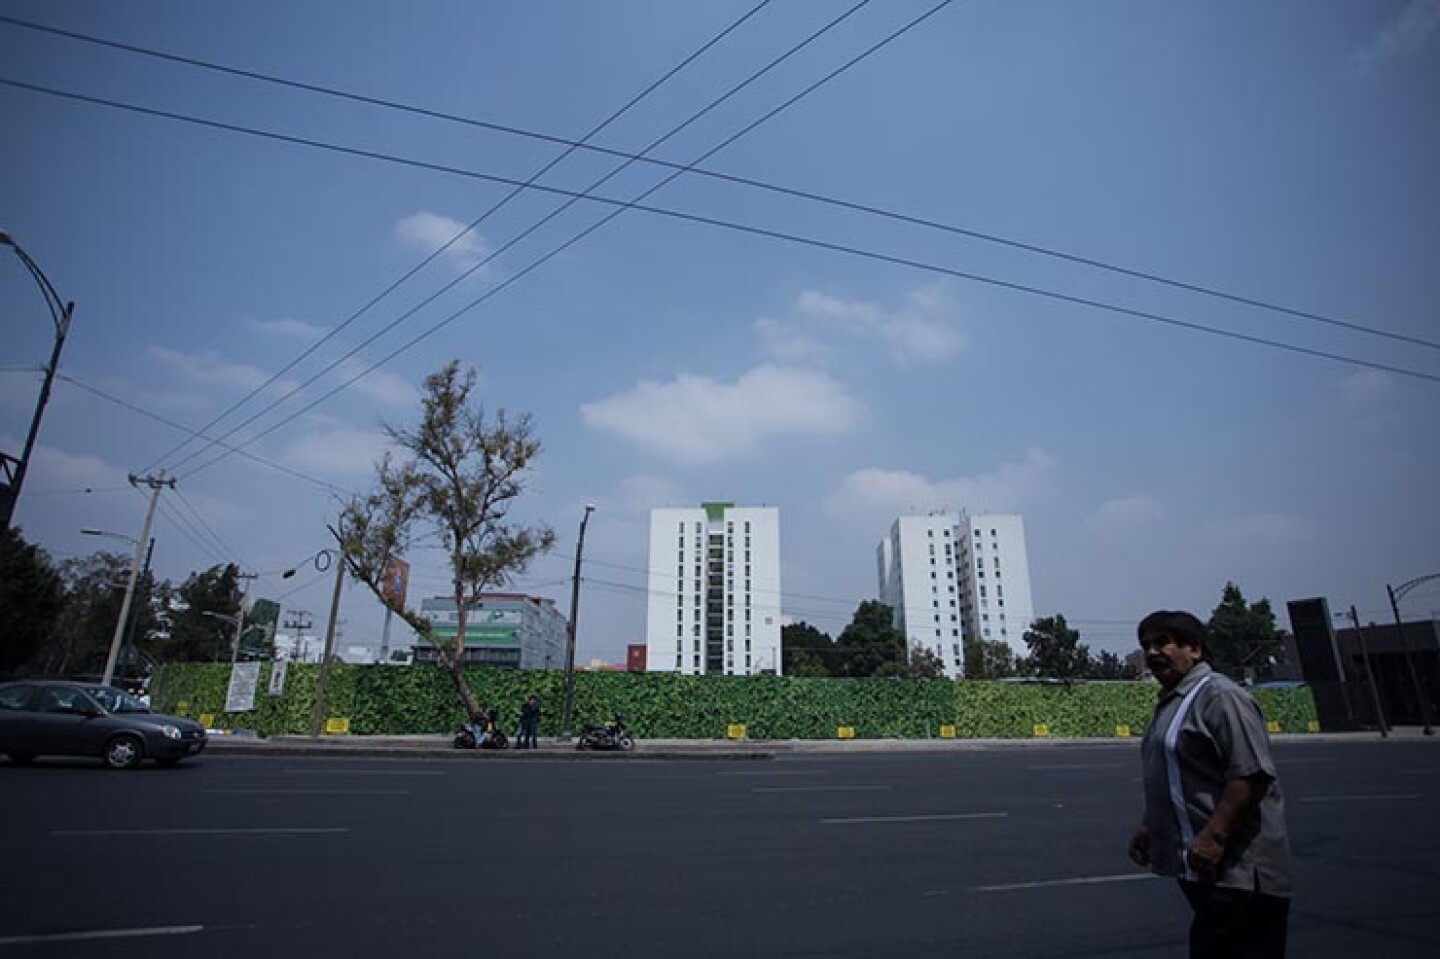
pixel 392 700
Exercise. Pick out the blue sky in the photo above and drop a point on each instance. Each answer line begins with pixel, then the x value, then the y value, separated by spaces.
pixel 1283 152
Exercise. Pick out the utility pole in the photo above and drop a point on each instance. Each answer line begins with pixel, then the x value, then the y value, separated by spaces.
pixel 299 621
pixel 156 483
pixel 319 716
pixel 1370 673
pixel 128 640
pixel 566 717
pixel 1421 694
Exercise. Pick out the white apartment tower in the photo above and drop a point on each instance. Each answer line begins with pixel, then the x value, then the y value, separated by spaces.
pixel 714 590
pixel 949 577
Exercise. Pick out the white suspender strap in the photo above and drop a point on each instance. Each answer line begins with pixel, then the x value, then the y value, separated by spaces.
pixel 1172 769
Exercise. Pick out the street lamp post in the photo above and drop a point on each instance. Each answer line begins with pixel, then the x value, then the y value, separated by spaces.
pixel 61 313
pixel 1396 592
pixel 566 717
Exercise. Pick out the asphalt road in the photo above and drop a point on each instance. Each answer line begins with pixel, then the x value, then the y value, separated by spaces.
pixel 978 853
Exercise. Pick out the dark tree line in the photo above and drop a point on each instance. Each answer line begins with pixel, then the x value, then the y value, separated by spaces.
pixel 59 619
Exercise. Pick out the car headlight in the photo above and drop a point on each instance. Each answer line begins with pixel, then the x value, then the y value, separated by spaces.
pixel 171 732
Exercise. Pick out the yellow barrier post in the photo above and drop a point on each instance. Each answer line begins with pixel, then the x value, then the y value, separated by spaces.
pixel 845 732
pixel 735 731
pixel 1273 726
pixel 339 725
pixel 947 732
pixel 1122 731
pixel 1042 729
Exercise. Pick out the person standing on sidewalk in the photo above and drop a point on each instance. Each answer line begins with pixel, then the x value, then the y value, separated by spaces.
pixel 1214 813
pixel 529 723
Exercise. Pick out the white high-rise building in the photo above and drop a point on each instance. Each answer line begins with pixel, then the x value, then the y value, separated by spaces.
pixel 714 590
pixel 952 576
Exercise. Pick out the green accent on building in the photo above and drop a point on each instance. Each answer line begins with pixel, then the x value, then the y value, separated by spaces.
pixel 716 511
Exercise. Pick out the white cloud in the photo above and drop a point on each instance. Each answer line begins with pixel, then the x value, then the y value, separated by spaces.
pixel 335 451
pixel 1125 515
pixel 288 329
pixel 1404 36
pixel 642 492
pixel 695 419
pixel 387 388
pixel 786 341
pixel 208 368
pixel 57 470
pixel 923 329
pixel 893 492
pixel 430 231
pixel 1365 389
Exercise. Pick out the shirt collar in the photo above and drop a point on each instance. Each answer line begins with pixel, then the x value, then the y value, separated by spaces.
pixel 1197 672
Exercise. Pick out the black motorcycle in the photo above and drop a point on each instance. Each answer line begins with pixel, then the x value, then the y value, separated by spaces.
pixel 611 736
pixel 471 737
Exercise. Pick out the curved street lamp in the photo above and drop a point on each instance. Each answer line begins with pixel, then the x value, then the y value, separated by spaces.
pixel 61 313
pixel 1396 592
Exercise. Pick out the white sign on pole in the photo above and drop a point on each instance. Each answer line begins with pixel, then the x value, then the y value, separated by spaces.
pixel 240 697
pixel 277 677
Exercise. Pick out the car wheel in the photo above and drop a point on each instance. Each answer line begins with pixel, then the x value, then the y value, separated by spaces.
pixel 22 759
pixel 124 752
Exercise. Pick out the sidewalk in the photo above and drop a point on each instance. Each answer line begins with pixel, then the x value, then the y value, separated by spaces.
pixel 437 746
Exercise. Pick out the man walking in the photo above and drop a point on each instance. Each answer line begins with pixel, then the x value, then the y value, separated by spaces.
pixel 1214 814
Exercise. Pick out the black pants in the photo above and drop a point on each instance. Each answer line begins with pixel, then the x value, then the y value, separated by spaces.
pixel 1234 923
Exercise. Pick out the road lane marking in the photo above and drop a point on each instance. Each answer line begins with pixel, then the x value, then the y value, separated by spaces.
pixel 311 792
pixel 775 772
pixel 363 772
pixel 1069 766
pixel 99 934
pixel 818 789
pixel 201 832
pixel 1078 881
pixel 938 817
pixel 1361 798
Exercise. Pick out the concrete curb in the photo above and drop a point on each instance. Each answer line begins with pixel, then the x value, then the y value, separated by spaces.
pixel 438 747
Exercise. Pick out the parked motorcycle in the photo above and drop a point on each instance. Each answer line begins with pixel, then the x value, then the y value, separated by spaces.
pixel 611 736
pixel 470 736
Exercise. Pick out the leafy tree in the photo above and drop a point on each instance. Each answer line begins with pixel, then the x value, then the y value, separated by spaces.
pixel 463 477
pixel 1110 666
pixel 869 642
pixel 989 659
pixel 1242 636
pixel 920 663
pixel 32 594
pixel 1056 650
pixel 194 636
pixel 806 650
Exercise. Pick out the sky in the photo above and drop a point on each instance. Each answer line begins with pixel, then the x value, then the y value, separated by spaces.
pixel 735 343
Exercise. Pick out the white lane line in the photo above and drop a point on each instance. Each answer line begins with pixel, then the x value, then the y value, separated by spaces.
pixel 1068 766
pixel 775 772
pixel 818 789
pixel 1377 797
pixel 939 817
pixel 363 772
pixel 310 792
pixel 327 830
pixel 1079 881
pixel 99 934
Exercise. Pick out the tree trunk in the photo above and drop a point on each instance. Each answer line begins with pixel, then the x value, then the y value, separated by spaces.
pixel 462 688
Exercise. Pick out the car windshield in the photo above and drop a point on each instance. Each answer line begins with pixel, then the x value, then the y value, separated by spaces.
pixel 116 700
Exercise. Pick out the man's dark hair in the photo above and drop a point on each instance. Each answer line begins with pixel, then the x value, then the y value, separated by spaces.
pixel 1185 628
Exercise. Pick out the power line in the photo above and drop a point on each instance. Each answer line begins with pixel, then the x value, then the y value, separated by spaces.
pixel 1143 315
pixel 584 233
pixel 856 206
pixel 515 191
pixel 328 487
pixel 496 253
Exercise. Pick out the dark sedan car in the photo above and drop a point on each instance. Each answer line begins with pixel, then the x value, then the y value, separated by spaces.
pixel 54 718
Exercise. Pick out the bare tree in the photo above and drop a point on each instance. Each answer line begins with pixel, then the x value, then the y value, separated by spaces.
pixel 462 478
